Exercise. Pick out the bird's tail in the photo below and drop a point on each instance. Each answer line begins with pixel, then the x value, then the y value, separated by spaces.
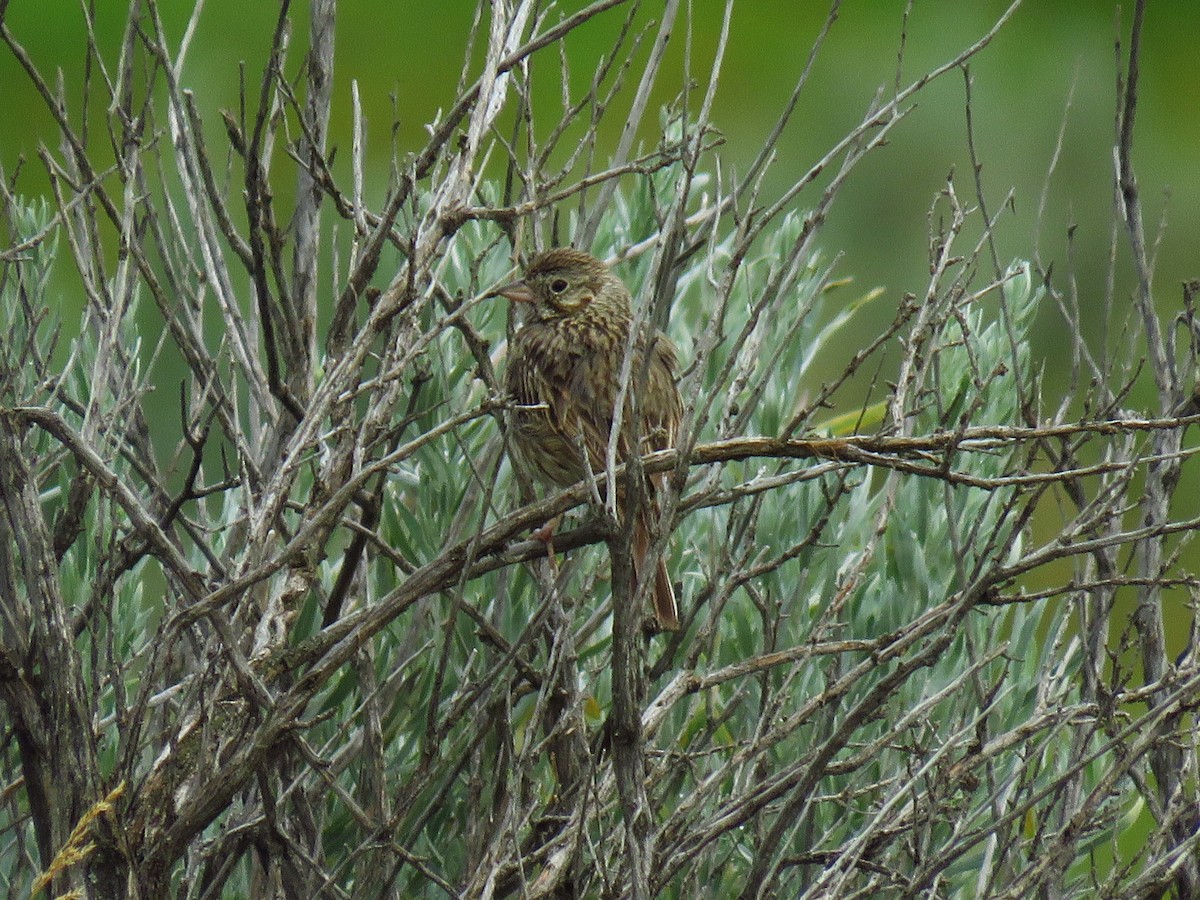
pixel 666 611
pixel 665 608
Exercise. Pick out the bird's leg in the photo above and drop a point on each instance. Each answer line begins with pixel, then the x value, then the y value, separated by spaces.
pixel 545 534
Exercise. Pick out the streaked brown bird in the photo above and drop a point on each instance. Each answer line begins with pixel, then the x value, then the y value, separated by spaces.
pixel 564 371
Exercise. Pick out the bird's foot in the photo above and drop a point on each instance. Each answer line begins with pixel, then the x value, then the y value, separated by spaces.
pixel 545 534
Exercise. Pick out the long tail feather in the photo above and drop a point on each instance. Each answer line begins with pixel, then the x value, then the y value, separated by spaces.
pixel 666 612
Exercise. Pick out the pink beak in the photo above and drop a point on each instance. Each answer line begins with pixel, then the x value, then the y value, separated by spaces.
pixel 517 291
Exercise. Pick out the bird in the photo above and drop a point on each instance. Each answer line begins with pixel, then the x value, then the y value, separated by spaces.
pixel 564 375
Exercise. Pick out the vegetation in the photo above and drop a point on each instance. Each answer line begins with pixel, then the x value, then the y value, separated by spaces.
pixel 295 639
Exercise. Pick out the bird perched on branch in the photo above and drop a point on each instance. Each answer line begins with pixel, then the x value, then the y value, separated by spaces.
pixel 564 372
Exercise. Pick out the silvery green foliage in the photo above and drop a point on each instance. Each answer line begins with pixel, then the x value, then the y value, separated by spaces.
pixel 290 605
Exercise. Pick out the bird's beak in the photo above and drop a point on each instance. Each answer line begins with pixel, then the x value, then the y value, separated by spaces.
pixel 517 291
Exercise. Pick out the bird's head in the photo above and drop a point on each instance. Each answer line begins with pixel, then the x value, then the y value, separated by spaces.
pixel 563 283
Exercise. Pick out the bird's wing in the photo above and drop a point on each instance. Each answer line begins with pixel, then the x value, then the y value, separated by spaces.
pixel 593 389
pixel 595 383
pixel 539 379
pixel 662 407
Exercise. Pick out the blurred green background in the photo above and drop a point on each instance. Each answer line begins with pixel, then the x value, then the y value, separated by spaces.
pixel 406 58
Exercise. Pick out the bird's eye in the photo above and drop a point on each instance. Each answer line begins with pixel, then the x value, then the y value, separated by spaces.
pixel 558 285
